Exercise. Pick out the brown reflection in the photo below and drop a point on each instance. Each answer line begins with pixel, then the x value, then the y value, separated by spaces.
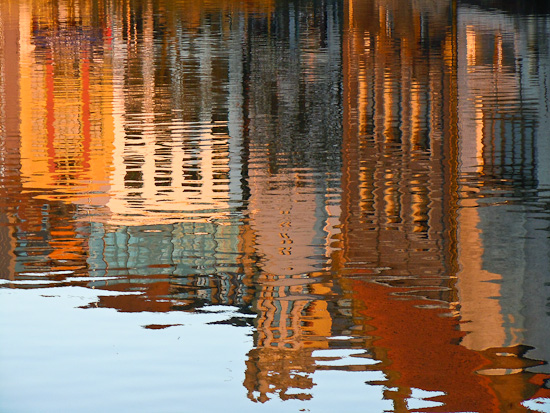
pixel 400 229
pixel 9 121
pixel 395 201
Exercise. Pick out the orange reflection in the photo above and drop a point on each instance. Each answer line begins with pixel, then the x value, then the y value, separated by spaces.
pixel 291 324
pixel 400 230
pixel 97 114
pixel 78 118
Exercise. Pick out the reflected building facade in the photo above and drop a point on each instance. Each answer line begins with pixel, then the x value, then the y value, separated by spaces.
pixel 293 126
pixel 176 182
pixel 339 170
pixel 397 260
pixel 169 123
pixel 109 163
pixel 66 125
pixel 36 238
pixel 409 259
pixel 504 154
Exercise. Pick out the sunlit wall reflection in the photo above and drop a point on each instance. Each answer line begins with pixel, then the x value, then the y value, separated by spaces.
pixel 357 190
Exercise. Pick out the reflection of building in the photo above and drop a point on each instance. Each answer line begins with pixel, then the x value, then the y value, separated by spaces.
pixel 294 128
pixel 65 125
pixel 195 153
pixel 99 128
pixel 503 75
pixel 398 212
pixel 57 134
pixel 36 233
pixel 293 321
pixel 181 265
pixel 394 121
pixel 172 226
pixel 293 101
pixel 396 199
pixel 171 161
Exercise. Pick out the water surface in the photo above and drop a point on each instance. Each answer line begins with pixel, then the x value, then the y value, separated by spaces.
pixel 271 205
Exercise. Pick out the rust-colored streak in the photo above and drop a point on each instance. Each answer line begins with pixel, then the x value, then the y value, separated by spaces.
pixel 50 112
pixel 86 135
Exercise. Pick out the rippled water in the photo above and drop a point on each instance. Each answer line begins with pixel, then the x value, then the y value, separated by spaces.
pixel 271 205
